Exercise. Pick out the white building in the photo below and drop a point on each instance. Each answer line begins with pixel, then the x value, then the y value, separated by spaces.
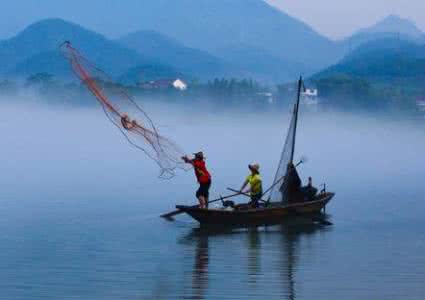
pixel 310 96
pixel 421 105
pixel 311 93
pixel 267 96
pixel 180 84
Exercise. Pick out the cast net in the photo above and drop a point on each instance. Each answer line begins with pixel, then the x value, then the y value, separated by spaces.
pixel 124 112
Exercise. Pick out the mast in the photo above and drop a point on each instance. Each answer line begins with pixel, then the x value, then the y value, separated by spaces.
pixel 297 105
pixel 287 156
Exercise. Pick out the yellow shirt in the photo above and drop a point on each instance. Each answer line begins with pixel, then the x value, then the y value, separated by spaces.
pixel 255 183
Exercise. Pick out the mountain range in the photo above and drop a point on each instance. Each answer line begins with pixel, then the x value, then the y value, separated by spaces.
pixel 215 25
pixel 394 47
pixel 170 52
pixel 36 49
pixel 382 59
pixel 196 39
pixel 394 23
pixel 390 27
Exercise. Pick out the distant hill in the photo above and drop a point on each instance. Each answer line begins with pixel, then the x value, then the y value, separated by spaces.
pixel 236 60
pixel 168 51
pixel 392 26
pixel 251 62
pixel 214 25
pixel 382 72
pixel 198 39
pixel 35 50
pixel 381 59
pixel 395 24
pixel 50 62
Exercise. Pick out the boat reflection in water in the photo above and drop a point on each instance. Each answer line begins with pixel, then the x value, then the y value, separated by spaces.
pixel 254 251
pixel 265 256
pixel 200 267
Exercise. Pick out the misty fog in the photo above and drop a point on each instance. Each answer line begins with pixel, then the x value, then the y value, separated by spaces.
pixel 80 207
pixel 75 154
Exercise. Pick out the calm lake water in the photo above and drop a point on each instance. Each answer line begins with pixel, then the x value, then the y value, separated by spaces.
pixel 79 209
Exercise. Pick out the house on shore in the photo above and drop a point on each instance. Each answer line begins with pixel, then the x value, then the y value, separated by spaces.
pixel 163 84
pixel 310 96
pixel 267 96
pixel 420 104
pixel 180 85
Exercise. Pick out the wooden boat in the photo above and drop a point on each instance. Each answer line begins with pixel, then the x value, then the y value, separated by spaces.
pixel 274 213
pixel 280 205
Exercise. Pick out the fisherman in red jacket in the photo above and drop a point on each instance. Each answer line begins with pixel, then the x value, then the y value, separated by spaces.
pixel 203 177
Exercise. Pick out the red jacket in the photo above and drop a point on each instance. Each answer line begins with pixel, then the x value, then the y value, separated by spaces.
pixel 201 171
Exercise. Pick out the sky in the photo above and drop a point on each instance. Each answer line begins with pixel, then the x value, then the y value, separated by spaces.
pixel 340 18
pixel 332 18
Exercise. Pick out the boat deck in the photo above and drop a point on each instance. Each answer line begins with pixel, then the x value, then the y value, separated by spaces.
pixel 273 213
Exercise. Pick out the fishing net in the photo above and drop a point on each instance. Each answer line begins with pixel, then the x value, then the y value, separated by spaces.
pixel 123 111
pixel 279 189
pixel 276 194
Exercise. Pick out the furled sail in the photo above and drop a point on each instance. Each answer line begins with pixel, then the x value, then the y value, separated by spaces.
pixel 277 194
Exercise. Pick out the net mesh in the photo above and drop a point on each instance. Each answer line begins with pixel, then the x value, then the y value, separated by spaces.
pixel 123 111
pixel 279 182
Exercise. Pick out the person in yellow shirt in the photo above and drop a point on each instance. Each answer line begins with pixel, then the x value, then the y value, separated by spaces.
pixel 255 185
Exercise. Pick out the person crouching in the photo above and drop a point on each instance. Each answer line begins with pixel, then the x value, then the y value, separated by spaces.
pixel 203 177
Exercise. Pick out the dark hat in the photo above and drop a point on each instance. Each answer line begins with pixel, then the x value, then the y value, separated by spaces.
pixel 199 155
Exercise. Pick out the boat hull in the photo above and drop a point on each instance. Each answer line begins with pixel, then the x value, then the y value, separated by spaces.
pixel 275 214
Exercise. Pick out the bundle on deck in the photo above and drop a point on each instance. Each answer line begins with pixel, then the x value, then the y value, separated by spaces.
pixel 123 111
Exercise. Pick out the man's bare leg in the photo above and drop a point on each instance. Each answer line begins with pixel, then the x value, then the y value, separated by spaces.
pixel 202 201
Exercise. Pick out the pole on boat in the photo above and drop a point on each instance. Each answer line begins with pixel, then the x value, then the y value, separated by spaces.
pixel 244 194
pixel 296 108
pixel 170 215
pixel 292 137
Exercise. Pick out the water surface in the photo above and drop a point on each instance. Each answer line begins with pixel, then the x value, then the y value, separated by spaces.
pixel 79 209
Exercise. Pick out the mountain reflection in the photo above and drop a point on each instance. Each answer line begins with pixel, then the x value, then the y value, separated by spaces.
pixel 290 248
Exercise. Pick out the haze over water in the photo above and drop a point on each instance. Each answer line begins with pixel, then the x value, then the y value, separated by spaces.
pixel 79 208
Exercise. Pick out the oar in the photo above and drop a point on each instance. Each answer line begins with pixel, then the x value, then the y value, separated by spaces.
pixel 178 211
pixel 244 194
